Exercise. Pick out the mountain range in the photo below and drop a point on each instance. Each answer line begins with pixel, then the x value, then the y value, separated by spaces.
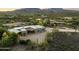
pixel 54 11
pixel 38 10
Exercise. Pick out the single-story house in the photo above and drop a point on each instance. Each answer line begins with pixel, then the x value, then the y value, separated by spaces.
pixel 35 28
pixel 28 29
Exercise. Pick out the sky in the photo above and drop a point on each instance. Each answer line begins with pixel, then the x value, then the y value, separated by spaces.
pixel 10 5
pixel 39 3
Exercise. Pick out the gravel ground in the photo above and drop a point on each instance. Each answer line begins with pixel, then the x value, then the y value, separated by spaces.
pixel 18 48
pixel 36 37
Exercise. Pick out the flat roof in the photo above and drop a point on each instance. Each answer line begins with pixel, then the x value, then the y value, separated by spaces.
pixel 13 30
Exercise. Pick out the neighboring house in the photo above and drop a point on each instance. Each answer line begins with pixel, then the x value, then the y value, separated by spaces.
pixel 57 23
pixel 38 19
pixel 11 25
pixel 69 18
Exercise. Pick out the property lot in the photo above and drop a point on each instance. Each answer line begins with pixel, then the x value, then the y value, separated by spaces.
pixel 40 37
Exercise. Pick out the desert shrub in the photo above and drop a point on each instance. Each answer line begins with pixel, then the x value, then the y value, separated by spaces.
pixel 5 40
pixel 25 42
pixel 29 42
pixel 13 38
pixel 22 41
pixel 62 41
pixel 2 30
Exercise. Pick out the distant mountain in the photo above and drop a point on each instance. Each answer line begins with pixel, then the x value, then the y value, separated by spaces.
pixel 73 9
pixel 29 10
pixel 38 10
pixel 55 10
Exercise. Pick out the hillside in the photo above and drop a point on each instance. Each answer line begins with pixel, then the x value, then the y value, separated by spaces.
pixel 51 11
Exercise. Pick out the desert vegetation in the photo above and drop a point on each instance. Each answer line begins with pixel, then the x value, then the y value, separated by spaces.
pixel 54 41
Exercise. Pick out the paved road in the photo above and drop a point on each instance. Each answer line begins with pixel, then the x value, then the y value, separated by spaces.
pixel 62 30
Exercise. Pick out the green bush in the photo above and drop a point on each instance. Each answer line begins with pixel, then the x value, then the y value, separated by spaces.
pixel 5 40
pixel 25 42
pixel 2 30
pixel 13 38
pixel 8 39
pixel 22 42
